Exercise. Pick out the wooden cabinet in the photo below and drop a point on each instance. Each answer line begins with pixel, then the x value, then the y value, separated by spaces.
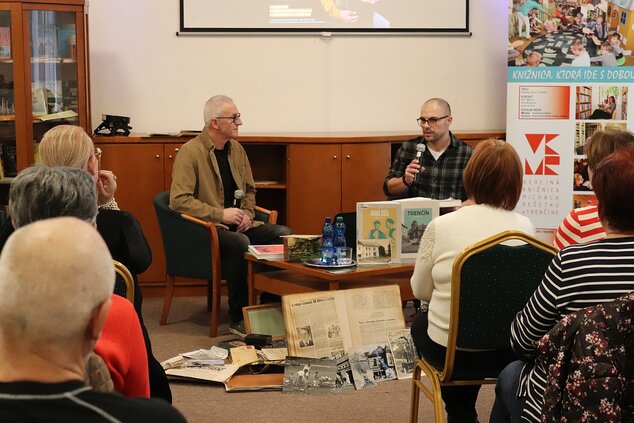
pixel 43 74
pixel 304 177
pixel 327 179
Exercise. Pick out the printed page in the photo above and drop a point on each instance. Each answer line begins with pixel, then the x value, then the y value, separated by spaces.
pixel 316 324
pixel 372 312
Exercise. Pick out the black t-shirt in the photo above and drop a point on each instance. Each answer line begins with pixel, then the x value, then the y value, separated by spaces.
pixel 228 184
pixel 74 402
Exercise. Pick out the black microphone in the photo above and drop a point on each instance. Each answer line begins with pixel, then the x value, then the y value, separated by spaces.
pixel 238 195
pixel 420 149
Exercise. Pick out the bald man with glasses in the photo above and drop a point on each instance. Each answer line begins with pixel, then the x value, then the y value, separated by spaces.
pixel 441 163
pixel 208 172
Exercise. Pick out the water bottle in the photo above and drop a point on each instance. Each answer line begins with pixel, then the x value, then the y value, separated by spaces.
pixel 340 239
pixel 327 247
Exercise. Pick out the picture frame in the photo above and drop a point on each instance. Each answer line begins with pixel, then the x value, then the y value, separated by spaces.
pixel 265 319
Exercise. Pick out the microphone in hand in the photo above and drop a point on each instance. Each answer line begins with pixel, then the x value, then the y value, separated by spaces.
pixel 238 195
pixel 420 149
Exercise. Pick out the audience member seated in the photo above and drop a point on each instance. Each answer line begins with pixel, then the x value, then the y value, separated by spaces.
pixel 583 224
pixel 579 276
pixel 39 193
pixel 55 296
pixel 493 182
pixel 68 145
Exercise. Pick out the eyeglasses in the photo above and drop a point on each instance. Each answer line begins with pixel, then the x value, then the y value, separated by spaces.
pixel 234 118
pixel 432 121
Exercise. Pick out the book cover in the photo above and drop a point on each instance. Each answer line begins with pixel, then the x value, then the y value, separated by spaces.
pixel 267 252
pixel 5 42
pixel 377 234
pixel 415 214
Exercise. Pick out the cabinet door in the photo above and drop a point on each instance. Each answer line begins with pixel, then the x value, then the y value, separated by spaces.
pixel 56 71
pixel 139 171
pixel 170 154
pixel 314 186
pixel 364 168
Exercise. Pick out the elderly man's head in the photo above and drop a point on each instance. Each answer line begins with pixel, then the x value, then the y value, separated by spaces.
pixel 56 279
pixel 43 192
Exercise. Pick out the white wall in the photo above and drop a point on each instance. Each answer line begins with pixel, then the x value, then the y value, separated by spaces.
pixel 142 69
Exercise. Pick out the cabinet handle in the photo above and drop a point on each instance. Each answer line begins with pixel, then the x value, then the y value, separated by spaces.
pixel 334 157
pixel 347 156
pixel 170 157
pixel 176 149
pixel 158 156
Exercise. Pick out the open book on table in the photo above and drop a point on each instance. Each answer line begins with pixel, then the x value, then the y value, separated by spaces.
pixel 330 323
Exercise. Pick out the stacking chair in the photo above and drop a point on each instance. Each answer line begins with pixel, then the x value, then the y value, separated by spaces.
pixel 192 251
pixel 124 283
pixel 490 283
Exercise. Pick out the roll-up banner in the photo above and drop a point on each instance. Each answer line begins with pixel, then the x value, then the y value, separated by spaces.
pixel 570 70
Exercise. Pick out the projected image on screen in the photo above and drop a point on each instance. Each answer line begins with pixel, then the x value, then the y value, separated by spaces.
pixel 324 15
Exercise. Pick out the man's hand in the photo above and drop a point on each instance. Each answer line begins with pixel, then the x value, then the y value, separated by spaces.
pixel 244 224
pixel 232 216
pixel 411 170
pixel 106 186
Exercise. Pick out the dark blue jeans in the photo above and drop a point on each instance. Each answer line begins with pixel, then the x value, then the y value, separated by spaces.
pixel 507 406
pixel 233 245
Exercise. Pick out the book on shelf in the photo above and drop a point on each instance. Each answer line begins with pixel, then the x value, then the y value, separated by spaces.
pixel 298 248
pixel 9 163
pixel 5 42
pixel 331 323
pixel 267 252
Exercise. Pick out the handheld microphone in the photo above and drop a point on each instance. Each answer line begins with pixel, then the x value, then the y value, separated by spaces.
pixel 238 195
pixel 420 149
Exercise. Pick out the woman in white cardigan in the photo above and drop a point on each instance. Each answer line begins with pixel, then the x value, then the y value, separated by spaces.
pixel 493 182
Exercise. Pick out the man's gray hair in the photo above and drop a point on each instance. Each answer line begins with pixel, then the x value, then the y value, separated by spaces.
pixel 213 107
pixel 41 192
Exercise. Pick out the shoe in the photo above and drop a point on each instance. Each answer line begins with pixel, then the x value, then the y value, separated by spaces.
pixel 237 328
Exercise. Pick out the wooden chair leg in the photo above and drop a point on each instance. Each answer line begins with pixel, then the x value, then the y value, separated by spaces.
pixel 167 300
pixel 209 294
pixel 215 310
pixel 415 397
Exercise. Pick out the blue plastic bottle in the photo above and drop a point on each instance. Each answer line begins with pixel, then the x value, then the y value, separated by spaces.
pixel 327 247
pixel 340 238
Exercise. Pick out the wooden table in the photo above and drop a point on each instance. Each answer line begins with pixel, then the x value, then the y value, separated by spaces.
pixel 283 278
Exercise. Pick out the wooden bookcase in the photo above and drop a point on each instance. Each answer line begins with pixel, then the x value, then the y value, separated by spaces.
pixel 43 71
pixel 303 176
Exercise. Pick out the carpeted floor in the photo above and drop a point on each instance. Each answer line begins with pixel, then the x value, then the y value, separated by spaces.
pixel 188 329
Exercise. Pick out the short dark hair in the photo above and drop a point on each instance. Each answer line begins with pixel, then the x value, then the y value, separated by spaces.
pixel 613 183
pixel 41 192
pixel 493 175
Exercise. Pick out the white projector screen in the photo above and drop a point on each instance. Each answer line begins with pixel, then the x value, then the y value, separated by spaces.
pixel 337 16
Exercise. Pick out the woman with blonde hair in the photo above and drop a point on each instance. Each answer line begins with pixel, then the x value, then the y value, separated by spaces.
pixel 493 183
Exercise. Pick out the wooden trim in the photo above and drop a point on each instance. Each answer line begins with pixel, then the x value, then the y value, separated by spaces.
pixel 304 138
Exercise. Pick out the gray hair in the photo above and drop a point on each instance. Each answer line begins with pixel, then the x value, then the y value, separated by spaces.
pixel 53 274
pixel 41 192
pixel 213 107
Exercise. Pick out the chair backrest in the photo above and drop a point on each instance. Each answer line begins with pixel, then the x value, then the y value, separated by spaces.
pixel 350 220
pixel 186 244
pixel 491 282
pixel 124 282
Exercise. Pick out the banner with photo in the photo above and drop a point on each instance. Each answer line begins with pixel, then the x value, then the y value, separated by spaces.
pixel 570 70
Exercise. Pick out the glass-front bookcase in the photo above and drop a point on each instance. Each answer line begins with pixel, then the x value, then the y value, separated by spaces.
pixel 43 76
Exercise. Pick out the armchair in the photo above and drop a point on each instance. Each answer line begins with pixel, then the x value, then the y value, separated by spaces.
pixel 192 251
pixel 124 283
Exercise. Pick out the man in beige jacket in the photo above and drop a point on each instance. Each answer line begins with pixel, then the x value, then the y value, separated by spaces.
pixel 208 172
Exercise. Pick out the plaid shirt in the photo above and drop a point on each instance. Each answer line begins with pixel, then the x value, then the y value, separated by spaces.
pixel 441 178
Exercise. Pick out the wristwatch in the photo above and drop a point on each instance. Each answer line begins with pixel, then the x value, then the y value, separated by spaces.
pixel 405 182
